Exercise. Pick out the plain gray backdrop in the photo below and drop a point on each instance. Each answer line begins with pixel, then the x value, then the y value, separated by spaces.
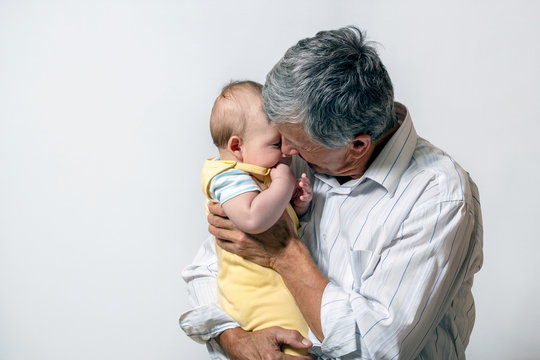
pixel 104 109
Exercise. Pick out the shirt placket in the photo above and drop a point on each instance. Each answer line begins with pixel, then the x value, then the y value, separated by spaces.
pixel 334 246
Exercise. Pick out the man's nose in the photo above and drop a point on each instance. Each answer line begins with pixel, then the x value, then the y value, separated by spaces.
pixel 287 149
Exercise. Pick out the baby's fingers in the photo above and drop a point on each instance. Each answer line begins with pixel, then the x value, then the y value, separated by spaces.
pixel 305 184
pixel 304 181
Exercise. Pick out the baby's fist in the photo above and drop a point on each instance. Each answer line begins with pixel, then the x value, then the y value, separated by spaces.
pixel 282 172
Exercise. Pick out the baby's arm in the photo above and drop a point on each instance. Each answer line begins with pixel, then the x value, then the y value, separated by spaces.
pixel 303 193
pixel 255 212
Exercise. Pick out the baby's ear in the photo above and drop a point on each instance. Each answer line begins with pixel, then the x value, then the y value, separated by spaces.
pixel 235 147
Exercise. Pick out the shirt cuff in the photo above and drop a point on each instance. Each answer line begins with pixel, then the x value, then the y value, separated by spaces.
pixel 337 322
pixel 204 323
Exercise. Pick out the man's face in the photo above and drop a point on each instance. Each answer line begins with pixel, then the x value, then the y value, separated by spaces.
pixel 334 162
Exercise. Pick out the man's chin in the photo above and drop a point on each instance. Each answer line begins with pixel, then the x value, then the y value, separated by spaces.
pixel 321 170
pixel 333 173
pixel 318 169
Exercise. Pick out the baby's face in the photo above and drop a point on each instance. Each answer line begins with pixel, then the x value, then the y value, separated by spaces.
pixel 261 142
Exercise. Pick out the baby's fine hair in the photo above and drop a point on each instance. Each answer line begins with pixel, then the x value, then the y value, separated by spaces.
pixel 228 118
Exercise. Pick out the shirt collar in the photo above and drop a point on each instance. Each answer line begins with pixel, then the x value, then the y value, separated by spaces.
pixel 394 158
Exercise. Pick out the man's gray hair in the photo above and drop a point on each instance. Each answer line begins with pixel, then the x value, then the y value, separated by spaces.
pixel 335 85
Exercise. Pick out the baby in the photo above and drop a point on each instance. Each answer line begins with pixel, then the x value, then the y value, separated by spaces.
pixel 250 161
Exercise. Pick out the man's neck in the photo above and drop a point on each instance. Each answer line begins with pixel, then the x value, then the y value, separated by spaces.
pixel 342 179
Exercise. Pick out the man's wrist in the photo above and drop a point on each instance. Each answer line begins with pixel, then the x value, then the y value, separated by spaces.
pixel 291 253
pixel 224 339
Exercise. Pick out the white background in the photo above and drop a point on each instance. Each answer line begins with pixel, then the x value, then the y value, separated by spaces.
pixel 104 109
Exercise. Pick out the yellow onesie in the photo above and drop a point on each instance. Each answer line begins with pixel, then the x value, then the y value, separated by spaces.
pixel 253 295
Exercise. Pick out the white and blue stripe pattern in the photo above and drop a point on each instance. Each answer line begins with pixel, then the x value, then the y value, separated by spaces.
pixel 400 247
pixel 231 183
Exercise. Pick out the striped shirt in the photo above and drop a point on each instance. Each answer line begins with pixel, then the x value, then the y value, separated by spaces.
pixel 231 183
pixel 400 246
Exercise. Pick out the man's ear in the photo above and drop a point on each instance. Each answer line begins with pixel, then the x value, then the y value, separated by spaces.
pixel 360 145
pixel 235 147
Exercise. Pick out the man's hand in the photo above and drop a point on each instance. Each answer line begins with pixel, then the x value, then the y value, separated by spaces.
pixel 263 249
pixel 262 344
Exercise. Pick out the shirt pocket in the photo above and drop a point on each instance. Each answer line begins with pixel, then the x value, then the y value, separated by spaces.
pixel 363 263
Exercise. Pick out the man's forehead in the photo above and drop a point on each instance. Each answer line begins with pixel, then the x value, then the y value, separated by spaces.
pixel 292 130
pixel 295 135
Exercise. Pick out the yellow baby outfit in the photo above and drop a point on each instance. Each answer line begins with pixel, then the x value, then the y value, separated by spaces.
pixel 253 295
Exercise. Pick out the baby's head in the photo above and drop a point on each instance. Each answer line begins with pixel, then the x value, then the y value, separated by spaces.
pixel 239 126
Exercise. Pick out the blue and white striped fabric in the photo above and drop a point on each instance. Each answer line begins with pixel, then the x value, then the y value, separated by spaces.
pixel 231 183
pixel 400 247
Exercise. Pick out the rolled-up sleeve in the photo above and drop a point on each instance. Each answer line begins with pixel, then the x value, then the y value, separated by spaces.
pixel 337 320
pixel 407 290
pixel 205 320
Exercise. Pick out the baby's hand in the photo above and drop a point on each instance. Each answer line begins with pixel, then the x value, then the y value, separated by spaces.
pixel 303 193
pixel 282 173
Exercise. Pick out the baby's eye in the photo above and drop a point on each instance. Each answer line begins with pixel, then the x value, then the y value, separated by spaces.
pixel 277 144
